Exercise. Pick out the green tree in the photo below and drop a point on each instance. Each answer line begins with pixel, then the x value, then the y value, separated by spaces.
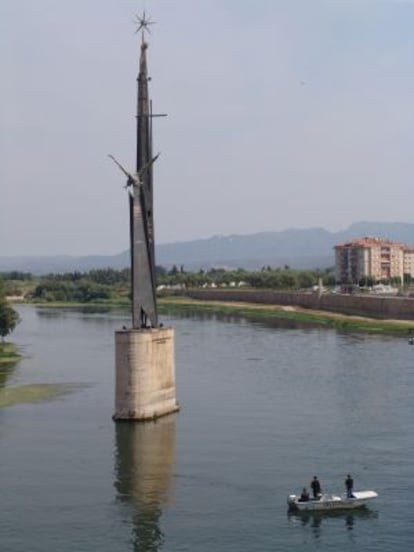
pixel 9 318
pixel 288 279
pixel 407 278
pixel 306 279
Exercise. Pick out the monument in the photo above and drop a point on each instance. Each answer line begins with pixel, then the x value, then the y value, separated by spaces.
pixel 144 353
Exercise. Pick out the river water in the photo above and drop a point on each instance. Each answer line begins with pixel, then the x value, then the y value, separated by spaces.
pixel 263 410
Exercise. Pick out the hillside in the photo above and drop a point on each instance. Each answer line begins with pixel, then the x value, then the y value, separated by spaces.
pixel 298 248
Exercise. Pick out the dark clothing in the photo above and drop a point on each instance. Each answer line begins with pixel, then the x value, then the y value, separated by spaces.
pixel 349 484
pixel 316 487
pixel 304 497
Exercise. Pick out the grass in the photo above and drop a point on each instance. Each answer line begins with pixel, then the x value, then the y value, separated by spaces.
pixel 269 313
pixel 34 393
pixel 8 353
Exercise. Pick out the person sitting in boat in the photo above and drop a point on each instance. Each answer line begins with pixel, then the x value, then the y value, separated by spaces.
pixel 316 487
pixel 349 484
pixel 304 497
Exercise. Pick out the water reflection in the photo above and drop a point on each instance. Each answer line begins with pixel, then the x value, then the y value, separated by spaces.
pixel 5 372
pixel 63 312
pixel 7 368
pixel 263 319
pixel 316 520
pixel 145 455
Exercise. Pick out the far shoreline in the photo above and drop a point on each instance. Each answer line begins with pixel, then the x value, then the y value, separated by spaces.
pixel 257 312
pixel 266 312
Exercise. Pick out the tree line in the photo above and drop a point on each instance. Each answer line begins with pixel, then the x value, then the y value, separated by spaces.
pixel 106 285
pixel 266 277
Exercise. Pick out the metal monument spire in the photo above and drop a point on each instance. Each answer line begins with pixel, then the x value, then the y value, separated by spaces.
pixel 140 186
pixel 144 354
pixel 143 23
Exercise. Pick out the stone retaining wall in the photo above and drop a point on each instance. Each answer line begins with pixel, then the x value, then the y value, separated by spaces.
pixel 400 308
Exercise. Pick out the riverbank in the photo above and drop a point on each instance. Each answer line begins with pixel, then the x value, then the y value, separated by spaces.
pixel 8 354
pixel 265 312
pixel 364 305
pixel 258 312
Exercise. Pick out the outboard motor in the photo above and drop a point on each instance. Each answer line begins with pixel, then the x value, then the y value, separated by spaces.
pixel 291 500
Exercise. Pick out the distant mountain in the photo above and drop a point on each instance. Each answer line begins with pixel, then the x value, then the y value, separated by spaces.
pixel 396 231
pixel 298 248
pixel 301 248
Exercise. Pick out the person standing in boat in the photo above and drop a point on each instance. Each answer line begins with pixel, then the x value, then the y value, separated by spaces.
pixel 316 487
pixel 349 484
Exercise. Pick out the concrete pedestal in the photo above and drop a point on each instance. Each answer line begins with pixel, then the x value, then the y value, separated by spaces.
pixel 145 374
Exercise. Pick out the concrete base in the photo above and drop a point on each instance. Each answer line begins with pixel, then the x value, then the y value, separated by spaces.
pixel 145 374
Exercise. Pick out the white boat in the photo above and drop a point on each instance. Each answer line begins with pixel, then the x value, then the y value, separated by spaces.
pixel 329 502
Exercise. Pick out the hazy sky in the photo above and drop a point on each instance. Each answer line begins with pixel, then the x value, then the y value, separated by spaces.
pixel 281 114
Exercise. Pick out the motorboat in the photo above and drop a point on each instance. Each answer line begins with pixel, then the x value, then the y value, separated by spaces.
pixel 329 502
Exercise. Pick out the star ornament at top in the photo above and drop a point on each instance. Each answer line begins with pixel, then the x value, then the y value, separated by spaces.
pixel 143 23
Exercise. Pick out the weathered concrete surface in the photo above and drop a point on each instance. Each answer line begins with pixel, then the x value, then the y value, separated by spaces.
pixel 145 374
pixel 399 308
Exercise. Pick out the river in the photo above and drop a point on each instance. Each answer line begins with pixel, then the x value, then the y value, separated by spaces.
pixel 263 409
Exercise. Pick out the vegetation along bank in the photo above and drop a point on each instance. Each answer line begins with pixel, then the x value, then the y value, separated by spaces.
pixel 282 294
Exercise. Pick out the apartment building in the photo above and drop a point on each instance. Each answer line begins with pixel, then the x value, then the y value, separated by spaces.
pixel 372 258
pixel 409 261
